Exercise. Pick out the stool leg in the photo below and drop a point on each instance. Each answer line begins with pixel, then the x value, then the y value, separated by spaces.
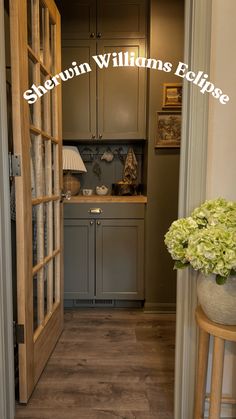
pixel 216 378
pixel 203 349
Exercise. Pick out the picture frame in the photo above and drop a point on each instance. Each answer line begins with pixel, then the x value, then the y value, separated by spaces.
pixel 168 134
pixel 172 95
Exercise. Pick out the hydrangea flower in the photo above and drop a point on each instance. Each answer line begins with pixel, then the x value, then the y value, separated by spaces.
pixel 176 239
pixel 212 251
pixel 215 212
pixel 206 240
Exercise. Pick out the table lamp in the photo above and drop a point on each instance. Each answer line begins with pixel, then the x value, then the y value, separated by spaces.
pixel 72 163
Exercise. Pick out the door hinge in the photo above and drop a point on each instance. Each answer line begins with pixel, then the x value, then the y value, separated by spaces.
pixel 14 164
pixel 19 333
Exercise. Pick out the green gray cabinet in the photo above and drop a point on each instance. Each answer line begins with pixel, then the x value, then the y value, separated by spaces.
pixel 104 104
pixel 105 19
pixel 104 256
pixel 121 91
pixel 79 93
pixel 79 254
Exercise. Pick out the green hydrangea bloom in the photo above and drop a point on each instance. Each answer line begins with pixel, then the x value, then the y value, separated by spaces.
pixel 206 240
pixel 216 212
pixel 176 239
pixel 212 250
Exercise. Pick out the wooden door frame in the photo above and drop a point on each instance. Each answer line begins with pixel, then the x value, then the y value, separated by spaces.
pixel 192 191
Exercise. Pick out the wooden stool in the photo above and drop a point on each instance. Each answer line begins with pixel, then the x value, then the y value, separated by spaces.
pixel 220 333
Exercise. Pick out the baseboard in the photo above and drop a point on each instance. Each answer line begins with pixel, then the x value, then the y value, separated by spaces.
pixel 228 411
pixel 160 307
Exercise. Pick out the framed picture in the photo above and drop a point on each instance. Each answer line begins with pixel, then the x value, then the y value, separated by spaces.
pixel 172 95
pixel 168 129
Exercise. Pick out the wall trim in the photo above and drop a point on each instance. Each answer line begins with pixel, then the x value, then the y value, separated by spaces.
pixel 165 308
pixel 7 396
pixel 192 191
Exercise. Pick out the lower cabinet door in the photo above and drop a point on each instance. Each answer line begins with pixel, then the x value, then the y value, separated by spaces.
pixel 79 242
pixel 120 259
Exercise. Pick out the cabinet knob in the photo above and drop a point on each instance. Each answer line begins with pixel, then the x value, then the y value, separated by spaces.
pixel 92 35
pixel 100 136
pixel 99 34
pixel 93 136
pixel 91 223
pixel 98 223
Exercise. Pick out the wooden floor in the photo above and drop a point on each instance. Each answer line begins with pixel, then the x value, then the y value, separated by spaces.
pixel 108 364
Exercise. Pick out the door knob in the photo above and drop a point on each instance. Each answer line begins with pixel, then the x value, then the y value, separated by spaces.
pixel 93 136
pixel 91 223
pixel 98 223
pixel 92 35
pixel 100 136
pixel 99 34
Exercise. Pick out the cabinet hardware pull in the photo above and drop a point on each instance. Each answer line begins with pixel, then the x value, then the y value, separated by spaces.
pixel 95 210
pixel 93 136
pixel 100 136
pixel 91 223
pixel 92 35
pixel 98 223
pixel 99 34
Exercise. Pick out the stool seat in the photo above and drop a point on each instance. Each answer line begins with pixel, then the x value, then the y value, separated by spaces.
pixel 215 329
pixel 220 334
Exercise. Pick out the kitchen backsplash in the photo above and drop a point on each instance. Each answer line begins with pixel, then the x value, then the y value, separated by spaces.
pixel 105 164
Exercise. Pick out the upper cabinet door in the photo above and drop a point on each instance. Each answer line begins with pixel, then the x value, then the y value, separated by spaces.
pixel 79 19
pixel 121 93
pixel 121 19
pixel 79 93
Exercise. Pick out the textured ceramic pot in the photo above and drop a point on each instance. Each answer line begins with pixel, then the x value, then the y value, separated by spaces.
pixel 217 301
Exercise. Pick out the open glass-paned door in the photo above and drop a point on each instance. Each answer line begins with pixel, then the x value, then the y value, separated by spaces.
pixel 35 55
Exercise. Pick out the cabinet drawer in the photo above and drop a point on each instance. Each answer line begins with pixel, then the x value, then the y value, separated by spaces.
pixel 108 210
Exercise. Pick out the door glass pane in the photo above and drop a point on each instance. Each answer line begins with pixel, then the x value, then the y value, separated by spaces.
pixel 42 32
pixel 46 229
pixel 56 278
pixel 49 286
pixel 48 167
pixel 35 301
pixel 52 47
pixel 55 178
pixel 53 169
pixel 33 164
pixel 39 297
pixel 29 22
pixel 34 235
pixel 38 233
pixel 31 75
pixel 45 282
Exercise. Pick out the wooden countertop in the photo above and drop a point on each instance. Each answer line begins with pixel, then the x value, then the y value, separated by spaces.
pixel 138 199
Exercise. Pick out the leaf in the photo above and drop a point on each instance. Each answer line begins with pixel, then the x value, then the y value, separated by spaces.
pixel 233 272
pixel 180 265
pixel 221 280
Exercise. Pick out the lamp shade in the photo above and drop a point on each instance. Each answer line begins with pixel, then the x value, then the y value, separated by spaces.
pixel 72 160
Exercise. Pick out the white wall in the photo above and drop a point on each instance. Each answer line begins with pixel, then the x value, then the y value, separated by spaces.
pixel 221 160
pixel 221 171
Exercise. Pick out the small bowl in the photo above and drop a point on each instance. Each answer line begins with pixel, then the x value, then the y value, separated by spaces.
pixel 101 190
pixel 87 192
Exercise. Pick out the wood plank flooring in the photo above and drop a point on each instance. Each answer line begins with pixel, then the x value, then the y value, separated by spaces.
pixel 108 364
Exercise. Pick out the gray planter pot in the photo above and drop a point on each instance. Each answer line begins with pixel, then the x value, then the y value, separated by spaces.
pixel 217 301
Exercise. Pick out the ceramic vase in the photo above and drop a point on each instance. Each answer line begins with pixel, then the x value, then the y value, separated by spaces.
pixel 217 301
